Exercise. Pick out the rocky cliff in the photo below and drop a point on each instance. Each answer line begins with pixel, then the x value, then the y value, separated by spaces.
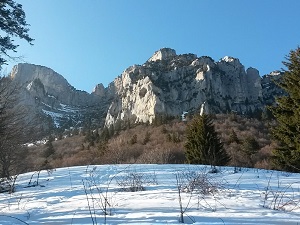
pixel 166 84
pixel 47 94
pixel 172 84
pixel 52 85
pixel 269 87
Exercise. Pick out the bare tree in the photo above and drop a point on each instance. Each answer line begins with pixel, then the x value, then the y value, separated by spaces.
pixel 181 184
pixel 13 130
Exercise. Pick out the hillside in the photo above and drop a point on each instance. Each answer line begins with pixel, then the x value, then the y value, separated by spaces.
pixel 160 143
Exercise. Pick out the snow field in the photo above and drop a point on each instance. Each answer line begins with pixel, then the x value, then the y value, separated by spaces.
pixel 77 195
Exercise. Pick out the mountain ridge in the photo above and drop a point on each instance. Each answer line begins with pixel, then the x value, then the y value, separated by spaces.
pixel 166 83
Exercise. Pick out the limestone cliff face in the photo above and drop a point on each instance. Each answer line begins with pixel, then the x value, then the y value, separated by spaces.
pixel 172 84
pixel 54 84
pixel 47 94
pixel 135 97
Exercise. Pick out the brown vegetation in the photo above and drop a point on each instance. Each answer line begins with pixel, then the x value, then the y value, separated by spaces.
pixel 246 140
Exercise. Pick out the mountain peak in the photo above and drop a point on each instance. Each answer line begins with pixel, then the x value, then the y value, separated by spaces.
pixel 162 54
pixel 229 59
pixel 25 73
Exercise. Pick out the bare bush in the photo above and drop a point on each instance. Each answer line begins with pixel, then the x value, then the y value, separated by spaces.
pixel 133 181
pixel 156 156
pixel 98 193
pixel 281 197
pixel 201 183
pixel 195 184
pixel 181 183
pixel 8 184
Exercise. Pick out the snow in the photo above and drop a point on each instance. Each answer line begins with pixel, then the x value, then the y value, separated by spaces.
pixel 46 105
pixel 68 109
pixel 29 86
pixel 61 113
pixel 183 115
pixel 55 116
pixel 228 59
pixel 51 96
pixel 73 196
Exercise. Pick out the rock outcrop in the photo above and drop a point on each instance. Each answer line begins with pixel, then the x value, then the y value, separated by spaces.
pixel 47 95
pixel 269 87
pixel 54 84
pixel 171 84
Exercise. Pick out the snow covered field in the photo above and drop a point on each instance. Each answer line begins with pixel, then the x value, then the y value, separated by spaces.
pixel 81 195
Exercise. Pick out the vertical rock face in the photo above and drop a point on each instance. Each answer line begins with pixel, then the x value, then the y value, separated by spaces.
pixel 270 89
pixel 171 84
pixel 55 85
pixel 47 94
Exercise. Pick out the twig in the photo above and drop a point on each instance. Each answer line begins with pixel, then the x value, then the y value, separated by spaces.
pixel 15 218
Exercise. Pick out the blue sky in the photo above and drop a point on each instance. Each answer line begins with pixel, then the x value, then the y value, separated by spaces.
pixel 94 41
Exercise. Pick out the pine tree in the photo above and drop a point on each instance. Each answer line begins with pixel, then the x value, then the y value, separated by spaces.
pixel 49 147
pixel 203 145
pixel 104 136
pixel 250 147
pixel 12 24
pixel 287 114
pixel 233 137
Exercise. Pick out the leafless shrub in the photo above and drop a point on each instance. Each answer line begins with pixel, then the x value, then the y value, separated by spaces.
pixel 98 193
pixel 181 184
pixel 195 184
pixel 133 181
pixel 156 156
pixel 282 197
pixel 201 183
pixel 8 184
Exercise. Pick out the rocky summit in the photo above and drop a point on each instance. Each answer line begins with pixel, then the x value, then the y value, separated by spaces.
pixel 171 84
pixel 166 84
pixel 51 101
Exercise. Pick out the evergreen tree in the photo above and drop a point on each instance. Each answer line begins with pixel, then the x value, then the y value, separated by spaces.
pixel 287 114
pixel 146 138
pixel 111 130
pixel 133 139
pixel 49 147
pixel 233 137
pixel 89 137
pixel 12 24
pixel 250 147
pixel 203 145
pixel 104 134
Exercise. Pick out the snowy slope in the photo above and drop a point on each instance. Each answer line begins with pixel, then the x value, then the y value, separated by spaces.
pixel 77 195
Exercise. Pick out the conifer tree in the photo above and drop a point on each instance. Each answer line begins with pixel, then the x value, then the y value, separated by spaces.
pixel 203 145
pixel 233 137
pixel 250 147
pixel 12 24
pixel 287 114
pixel 49 147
